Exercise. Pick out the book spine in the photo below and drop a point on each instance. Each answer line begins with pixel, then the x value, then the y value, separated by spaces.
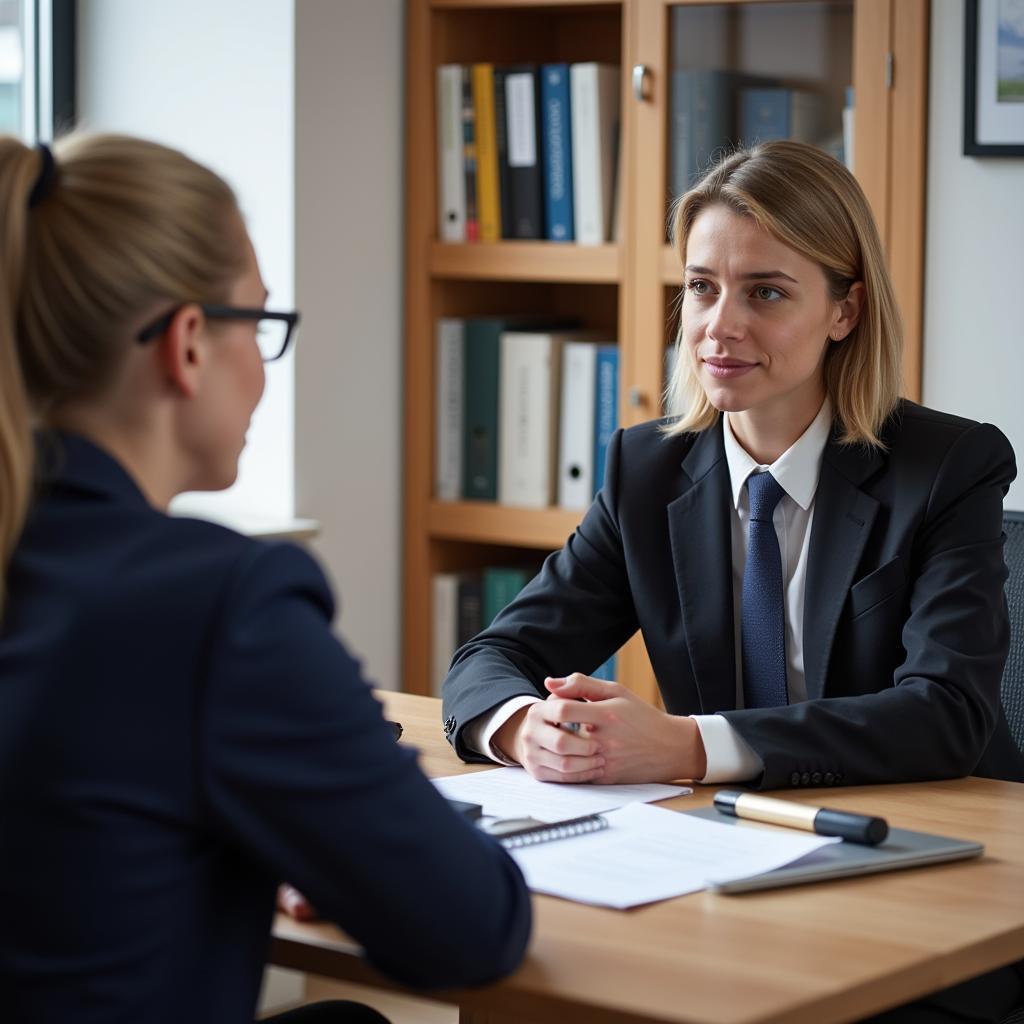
pixel 764 114
pixel 470 608
pixel 848 121
pixel 500 587
pixel 683 162
pixel 608 144
pixel 556 118
pixel 523 136
pixel 501 146
pixel 606 415
pixel 451 179
pixel 805 116
pixel 469 156
pixel 524 464
pixel 449 409
pixel 480 402
pixel 488 194
pixel 444 611
pixel 594 90
pixel 576 433
pixel 714 116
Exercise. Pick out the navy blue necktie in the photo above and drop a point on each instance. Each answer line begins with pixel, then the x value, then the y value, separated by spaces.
pixel 763 619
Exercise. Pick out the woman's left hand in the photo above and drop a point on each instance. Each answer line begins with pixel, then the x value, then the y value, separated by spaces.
pixel 639 743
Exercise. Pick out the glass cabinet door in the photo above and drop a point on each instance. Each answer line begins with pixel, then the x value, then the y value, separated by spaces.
pixel 849 76
pixel 752 72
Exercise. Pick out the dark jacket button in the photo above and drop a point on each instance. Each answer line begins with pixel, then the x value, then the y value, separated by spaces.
pixel 816 778
pixel 795 779
pixel 805 778
pixel 829 779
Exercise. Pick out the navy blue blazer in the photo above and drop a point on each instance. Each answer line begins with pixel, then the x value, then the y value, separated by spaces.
pixel 179 732
pixel 905 623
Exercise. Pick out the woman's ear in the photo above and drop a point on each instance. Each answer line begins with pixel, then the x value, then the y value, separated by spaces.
pixel 181 352
pixel 848 311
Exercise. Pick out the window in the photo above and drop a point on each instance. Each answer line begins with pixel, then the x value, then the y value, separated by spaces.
pixel 37 67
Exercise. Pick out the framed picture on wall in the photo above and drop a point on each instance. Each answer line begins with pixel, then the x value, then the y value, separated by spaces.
pixel 994 78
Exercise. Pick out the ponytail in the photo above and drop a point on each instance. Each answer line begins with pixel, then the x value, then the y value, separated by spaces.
pixel 20 169
pixel 90 244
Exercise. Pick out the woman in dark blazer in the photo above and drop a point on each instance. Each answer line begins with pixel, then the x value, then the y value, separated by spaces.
pixel 815 565
pixel 180 731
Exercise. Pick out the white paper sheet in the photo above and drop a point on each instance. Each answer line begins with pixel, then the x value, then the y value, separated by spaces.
pixel 513 793
pixel 652 853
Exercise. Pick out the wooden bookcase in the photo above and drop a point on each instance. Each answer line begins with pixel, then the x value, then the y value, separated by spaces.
pixel 625 289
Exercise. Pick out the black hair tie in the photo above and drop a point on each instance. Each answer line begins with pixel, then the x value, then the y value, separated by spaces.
pixel 47 177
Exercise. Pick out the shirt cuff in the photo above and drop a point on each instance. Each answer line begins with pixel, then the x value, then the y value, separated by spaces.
pixel 730 757
pixel 479 733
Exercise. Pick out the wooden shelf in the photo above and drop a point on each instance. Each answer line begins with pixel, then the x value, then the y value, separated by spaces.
pixel 525 261
pixel 671 271
pixel 476 4
pixel 484 523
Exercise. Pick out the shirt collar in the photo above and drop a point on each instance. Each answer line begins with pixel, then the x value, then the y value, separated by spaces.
pixel 797 469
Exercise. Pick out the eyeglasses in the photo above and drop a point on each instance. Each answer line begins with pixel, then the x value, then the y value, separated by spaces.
pixel 273 334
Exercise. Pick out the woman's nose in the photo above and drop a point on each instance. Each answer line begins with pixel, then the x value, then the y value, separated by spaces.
pixel 727 321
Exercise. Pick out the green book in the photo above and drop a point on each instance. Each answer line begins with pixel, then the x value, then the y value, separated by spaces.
pixel 481 387
pixel 480 402
pixel 500 588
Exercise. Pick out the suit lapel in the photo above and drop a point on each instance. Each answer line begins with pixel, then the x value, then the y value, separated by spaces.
pixel 843 517
pixel 699 528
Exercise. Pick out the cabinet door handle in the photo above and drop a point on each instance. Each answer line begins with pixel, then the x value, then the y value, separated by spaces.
pixel 640 73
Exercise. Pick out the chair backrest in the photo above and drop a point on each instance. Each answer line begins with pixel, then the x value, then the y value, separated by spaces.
pixel 1013 674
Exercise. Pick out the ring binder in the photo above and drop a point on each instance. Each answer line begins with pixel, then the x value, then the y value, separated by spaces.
pixel 545 832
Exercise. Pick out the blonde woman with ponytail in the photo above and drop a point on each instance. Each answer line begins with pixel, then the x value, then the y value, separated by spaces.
pixel 180 731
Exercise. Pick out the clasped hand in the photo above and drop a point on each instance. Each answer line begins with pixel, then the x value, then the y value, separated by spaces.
pixel 620 739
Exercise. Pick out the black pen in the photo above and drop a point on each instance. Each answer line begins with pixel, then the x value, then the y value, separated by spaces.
pixel 857 828
pixel 396 728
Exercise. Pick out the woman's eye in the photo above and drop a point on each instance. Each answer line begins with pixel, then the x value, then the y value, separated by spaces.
pixel 698 287
pixel 767 293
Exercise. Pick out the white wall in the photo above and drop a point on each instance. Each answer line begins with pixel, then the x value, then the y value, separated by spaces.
pixel 215 79
pixel 974 260
pixel 348 177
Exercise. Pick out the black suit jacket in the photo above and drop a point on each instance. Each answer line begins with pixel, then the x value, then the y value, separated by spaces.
pixel 180 731
pixel 905 623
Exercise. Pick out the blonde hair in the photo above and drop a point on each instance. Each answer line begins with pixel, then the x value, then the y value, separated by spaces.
pixel 813 204
pixel 117 226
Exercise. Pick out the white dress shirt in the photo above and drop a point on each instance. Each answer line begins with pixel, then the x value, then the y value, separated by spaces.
pixel 729 757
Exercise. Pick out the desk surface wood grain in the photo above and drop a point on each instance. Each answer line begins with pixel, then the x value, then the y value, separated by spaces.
pixel 813 954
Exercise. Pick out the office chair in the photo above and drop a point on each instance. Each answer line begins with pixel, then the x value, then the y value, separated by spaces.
pixel 1013 674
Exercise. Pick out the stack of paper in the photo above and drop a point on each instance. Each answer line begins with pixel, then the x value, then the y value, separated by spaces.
pixel 646 853
pixel 512 793
pixel 649 853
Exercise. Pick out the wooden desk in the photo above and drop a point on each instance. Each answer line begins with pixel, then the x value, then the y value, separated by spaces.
pixel 815 954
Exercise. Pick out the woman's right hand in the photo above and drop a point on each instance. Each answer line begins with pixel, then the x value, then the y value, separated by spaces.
pixel 534 738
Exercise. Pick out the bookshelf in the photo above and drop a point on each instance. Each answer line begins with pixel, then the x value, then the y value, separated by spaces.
pixel 625 288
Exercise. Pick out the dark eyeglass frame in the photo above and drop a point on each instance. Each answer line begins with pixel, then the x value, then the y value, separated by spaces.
pixel 217 312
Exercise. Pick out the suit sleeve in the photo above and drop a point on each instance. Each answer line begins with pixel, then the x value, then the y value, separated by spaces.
pixel 935 717
pixel 571 617
pixel 302 772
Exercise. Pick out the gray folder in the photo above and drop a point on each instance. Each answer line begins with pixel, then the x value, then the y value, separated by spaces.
pixel 902 849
